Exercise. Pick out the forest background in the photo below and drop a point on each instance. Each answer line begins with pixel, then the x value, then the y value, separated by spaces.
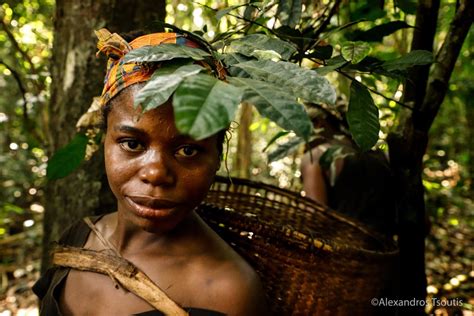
pixel 29 135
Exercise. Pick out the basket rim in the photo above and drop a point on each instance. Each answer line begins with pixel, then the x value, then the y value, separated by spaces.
pixel 315 243
pixel 319 244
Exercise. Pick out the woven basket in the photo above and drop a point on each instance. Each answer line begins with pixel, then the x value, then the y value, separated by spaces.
pixel 312 261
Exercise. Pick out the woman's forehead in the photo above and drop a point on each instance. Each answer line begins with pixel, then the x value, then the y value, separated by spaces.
pixel 123 112
pixel 124 101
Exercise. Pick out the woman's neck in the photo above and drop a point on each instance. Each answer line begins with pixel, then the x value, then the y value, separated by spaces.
pixel 130 239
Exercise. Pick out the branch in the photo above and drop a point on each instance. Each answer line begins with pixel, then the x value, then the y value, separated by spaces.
pixel 17 46
pixel 21 87
pixel 444 65
pixel 121 271
pixel 325 23
pixel 423 38
pixel 235 16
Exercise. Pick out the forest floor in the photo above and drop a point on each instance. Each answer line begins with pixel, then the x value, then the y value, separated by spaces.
pixel 449 257
pixel 19 269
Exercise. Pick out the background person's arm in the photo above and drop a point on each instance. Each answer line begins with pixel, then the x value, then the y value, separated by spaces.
pixel 314 184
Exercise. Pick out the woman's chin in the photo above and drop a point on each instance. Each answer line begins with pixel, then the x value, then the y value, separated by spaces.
pixel 154 221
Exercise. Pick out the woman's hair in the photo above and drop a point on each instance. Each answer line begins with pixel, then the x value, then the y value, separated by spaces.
pixel 130 36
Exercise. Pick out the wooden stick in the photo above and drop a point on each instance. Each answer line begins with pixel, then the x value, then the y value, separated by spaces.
pixel 102 239
pixel 122 271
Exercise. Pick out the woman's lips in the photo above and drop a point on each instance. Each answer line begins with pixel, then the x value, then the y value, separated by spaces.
pixel 151 207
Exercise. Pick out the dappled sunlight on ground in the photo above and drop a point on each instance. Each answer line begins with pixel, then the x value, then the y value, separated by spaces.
pixel 31 311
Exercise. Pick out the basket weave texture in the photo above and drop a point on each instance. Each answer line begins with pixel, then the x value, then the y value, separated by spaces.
pixel 311 260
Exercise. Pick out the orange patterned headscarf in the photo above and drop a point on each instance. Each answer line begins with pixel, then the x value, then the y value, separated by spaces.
pixel 120 74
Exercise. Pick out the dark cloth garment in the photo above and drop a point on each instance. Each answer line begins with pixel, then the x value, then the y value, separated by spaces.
pixel 48 287
pixel 365 190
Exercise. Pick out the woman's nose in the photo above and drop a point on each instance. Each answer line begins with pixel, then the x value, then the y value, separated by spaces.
pixel 156 171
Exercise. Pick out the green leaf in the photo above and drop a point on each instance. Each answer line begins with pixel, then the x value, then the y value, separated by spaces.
pixel 367 10
pixel 164 52
pixel 231 59
pixel 407 6
pixel 372 64
pixel 321 52
pixel 68 158
pixel 285 149
pixel 163 83
pixel 377 33
pixel 413 58
pixel 363 117
pixel 304 83
pixel 204 105
pixel 275 138
pixel 331 65
pixel 276 104
pixel 294 35
pixel 289 12
pixel 267 54
pixel 12 208
pixel 355 51
pixel 327 158
pixel 249 44
pixel 235 58
pixel 251 8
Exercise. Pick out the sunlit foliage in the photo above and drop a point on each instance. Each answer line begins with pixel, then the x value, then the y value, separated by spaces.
pixel 25 48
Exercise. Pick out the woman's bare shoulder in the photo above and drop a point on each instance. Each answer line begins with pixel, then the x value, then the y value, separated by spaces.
pixel 233 286
pixel 240 293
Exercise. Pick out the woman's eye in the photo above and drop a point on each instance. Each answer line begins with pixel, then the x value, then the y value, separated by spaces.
pixel 187 151
pixel 131 145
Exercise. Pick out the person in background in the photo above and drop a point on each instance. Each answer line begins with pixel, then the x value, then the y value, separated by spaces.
pixel 336 174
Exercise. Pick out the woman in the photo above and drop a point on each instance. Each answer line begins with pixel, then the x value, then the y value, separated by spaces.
pixel 159 177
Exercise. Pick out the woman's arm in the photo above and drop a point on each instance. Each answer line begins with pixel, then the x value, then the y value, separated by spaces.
pixel 314 184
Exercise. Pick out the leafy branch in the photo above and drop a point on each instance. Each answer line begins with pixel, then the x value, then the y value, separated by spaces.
pixel 376 92
pixel 238 16
pixel 326 22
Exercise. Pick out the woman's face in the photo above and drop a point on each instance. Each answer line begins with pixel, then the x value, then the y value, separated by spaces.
pixel 157 175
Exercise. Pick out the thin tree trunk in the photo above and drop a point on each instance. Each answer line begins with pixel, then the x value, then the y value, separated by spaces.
pixel 244 143
pixel 407 147
pixel 77 77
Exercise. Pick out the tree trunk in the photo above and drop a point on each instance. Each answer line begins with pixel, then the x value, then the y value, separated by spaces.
pixel 407 147
pixel 77 77
pixel 244 143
